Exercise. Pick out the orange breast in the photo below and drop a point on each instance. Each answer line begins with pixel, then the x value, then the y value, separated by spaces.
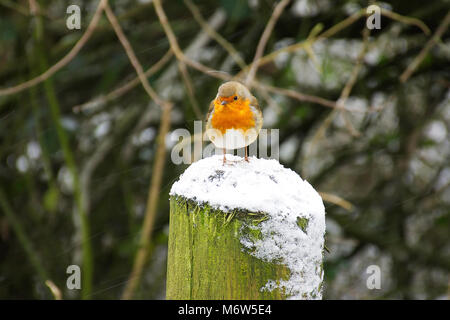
pixel 233 115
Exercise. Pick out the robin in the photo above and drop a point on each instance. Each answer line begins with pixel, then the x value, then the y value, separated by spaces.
pixel 234 118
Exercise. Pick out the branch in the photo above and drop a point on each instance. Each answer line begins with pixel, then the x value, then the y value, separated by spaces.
pixel 352 80
pixel 189 89
pixel 116 93
pixel 176 48
pixel 152 201
pixel 263 40
pixel 158 167
pixel 298 96
pixel 416 62
pixel 406 20
pixel 335 199
pixel 54 289
pixel 169 75
pixel 132 56
pixel 64 61
pixel 214 34
pixel 344 95
pixel 224 76
pixel 302 44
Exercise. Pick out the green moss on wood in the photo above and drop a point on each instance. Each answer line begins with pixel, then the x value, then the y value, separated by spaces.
pixel 302 223
pixel 206 259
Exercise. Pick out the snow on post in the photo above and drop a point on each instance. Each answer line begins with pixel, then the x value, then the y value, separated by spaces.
pixel 244 231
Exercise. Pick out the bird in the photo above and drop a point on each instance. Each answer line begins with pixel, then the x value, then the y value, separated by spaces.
pixel 234 118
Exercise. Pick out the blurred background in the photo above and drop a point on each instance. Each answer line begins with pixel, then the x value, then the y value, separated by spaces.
pixel 363 115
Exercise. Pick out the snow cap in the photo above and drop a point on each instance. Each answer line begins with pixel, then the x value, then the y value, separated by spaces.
pixel 264 185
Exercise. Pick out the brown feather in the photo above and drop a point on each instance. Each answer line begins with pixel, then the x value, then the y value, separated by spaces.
pixel 210 110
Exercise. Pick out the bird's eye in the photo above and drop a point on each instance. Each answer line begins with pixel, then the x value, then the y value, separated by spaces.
pixel 235 97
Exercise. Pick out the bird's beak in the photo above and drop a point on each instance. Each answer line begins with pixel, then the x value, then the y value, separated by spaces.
pixel 224 102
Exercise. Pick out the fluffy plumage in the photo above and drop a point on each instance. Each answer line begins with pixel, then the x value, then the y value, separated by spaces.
pixel 234 118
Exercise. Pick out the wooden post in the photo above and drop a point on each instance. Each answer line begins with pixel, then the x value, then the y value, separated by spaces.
pixel 213 253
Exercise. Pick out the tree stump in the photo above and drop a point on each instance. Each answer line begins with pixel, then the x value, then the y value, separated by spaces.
pixel 244 230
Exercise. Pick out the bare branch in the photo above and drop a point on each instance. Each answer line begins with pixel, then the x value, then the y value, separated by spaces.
pixel 406 20
pixel 335 199
pixel 214 34
pixel 263 40
pixel 309 41
pixel 152 201
pixel 297 95
pixel 416 62
pixel 54 289
pixel 120 91
pixel 190 89
pixel 132 56
pixel 64 61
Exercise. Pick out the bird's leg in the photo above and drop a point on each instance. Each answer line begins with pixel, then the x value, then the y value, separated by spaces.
pixel 246 156
pixel 224 159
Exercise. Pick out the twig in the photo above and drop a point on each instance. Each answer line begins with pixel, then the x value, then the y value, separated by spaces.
pixel 168 30
pixel 64 61
pixel 180 56
pixel 269 100
pixel 176 48
pixel 286 92
pixel 263 40
pixel 54 289
pixel 326 34
pixel 133 59
pixel 345 93
pixel 340 103
pixel 214 34
pixel 214 73
pixel 354 75
pixel 168 76
pixel 332 198
pixel 152 201
pixel 116 93
pixel 82 226
pixel 406 20
pixel 342 24
pixel 158 167
pixel 225 45
pixel 334 30
pixel 309 41
pixel 310 52
pixel 351 82
pixel 298 96
pixel 434 39
pixel 190 89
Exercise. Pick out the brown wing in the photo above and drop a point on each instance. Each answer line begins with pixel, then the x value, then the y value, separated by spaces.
pixel 210 110
pixel 254 103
